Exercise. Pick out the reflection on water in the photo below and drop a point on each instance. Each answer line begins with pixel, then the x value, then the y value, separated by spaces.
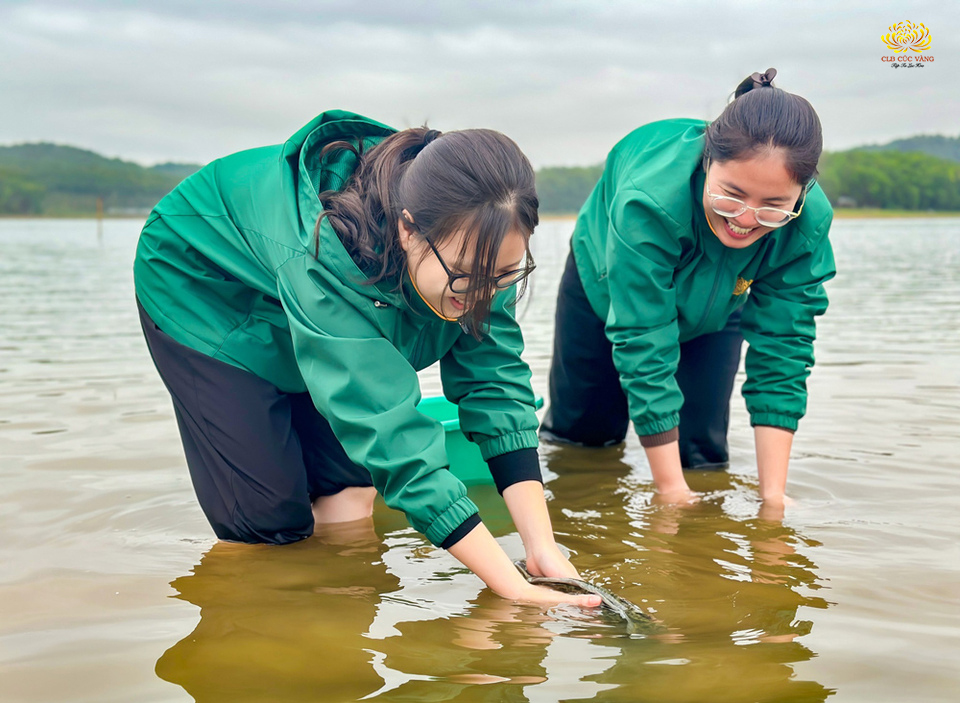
pixel 112 587
pixel 331 618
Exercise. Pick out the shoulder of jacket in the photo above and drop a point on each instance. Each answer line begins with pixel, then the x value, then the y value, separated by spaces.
pixel 813 225
pixel 653 165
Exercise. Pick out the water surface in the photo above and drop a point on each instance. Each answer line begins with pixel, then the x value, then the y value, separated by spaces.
pixel 112 587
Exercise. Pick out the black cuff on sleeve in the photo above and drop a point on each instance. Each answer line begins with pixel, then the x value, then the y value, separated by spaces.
pixel 461 532
pixel 514 467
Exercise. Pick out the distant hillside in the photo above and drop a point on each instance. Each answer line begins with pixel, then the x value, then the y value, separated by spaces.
pixel 933 145
pixel 890 180
pixel 50 179
pixel 920 173
pixel 909 174
pixel 563 189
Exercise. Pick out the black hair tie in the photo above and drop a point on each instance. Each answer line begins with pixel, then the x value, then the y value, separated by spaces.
pixel 765 79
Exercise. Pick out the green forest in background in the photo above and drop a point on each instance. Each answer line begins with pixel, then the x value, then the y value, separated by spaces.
pixel 920 173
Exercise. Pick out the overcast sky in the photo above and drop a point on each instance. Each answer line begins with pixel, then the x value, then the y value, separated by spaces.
pixel 193 80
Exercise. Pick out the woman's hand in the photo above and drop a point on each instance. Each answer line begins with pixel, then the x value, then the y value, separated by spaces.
pixel 548 596
pixel 772 509
pixel 548 560
pixel 480 553
pixel 678 496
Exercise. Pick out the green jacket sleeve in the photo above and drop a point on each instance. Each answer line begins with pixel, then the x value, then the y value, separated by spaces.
pixel 778 323
pixel 368 392
pixel 643 251
pixel 490 383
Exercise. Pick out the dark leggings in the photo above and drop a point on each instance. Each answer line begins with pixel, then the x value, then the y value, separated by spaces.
pixel 588 405
pixel 257 456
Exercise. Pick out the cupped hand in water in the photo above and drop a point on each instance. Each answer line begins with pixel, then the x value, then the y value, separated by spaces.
pixel 547 596
pixel 772 508
pixel 548 560
pixel 681 496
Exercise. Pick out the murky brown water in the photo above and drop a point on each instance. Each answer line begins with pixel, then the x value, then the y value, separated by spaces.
pixel 112 588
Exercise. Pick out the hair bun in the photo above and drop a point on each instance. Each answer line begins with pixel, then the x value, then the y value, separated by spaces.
pixel 765 79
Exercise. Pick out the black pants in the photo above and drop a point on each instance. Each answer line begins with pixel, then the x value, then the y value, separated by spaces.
pixel 588 405
pixel 258 457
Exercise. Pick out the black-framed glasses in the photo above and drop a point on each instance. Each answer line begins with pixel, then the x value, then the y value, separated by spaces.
pixel 467 282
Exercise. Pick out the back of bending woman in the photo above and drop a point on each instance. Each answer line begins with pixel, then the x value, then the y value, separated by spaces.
pixel 289 295
pixel 698 235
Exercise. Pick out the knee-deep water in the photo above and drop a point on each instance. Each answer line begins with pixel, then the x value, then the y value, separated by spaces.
pixel 112 587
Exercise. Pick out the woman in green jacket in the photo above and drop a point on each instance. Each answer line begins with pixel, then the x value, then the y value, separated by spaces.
pixel 697 236
pixel 289 295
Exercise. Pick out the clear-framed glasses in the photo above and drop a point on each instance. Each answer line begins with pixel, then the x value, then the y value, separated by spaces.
pixel 466 282
pixel 725 206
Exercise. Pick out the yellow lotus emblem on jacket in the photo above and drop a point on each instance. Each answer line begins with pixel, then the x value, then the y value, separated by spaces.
pixel 907 36
pixel 742 286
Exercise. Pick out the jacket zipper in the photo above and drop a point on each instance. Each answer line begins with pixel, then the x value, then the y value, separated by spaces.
pixel 713 296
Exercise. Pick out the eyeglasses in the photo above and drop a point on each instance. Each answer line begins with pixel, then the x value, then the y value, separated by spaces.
pixel 725 206
pixel 466 282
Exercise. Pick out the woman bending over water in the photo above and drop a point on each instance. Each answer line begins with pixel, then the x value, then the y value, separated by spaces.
pixel 697 236
pixel 289 295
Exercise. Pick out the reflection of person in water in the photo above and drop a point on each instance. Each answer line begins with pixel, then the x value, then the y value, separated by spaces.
pixel 275 624
pixel 728 588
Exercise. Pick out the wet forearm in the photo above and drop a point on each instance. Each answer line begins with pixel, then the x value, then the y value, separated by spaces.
pixel 773 458
pixel 664 460
pixel 528 508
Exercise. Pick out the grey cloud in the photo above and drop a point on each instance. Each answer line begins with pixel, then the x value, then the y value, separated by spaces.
pixel 191 81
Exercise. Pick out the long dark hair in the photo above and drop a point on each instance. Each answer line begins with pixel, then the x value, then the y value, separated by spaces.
pixel 475 181
pixel 761 117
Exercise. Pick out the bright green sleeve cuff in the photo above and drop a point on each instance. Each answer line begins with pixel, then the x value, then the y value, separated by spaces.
pixel 664 424
pixel 525 439
pixel 449 520
pixel 786 422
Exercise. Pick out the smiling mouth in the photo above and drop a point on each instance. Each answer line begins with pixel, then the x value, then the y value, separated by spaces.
pixel 738 231
pixel 457 305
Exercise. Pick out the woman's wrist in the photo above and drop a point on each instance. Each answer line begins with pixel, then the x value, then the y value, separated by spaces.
pixel 773 459
pixel 664 460
pixel 528 507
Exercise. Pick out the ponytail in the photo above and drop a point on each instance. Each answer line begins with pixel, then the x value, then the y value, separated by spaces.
pixel 363 213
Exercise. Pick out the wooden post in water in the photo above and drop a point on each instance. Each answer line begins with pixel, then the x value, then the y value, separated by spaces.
pixel 99 218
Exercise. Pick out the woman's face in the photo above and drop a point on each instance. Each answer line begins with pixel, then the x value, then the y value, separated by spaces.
pixel 432 280
pixel 759 181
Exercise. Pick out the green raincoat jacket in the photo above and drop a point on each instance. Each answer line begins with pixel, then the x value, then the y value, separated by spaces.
pixel 657 275
pixel 226 265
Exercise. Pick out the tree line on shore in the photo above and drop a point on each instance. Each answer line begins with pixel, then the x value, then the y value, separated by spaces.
pixel 920 173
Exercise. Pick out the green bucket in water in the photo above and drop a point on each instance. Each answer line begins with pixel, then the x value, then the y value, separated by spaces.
pixel 465 460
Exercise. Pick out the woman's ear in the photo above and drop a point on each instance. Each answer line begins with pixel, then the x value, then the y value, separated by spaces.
pixel 404 230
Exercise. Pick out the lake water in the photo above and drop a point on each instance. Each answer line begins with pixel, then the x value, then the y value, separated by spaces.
pixel 112 587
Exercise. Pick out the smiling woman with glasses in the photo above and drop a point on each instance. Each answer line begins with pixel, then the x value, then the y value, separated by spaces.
pixel 697 236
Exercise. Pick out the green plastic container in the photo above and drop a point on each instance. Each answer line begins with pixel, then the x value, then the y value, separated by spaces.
pixel 465 460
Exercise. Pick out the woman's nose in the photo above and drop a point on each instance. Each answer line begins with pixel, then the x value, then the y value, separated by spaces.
pixel 746 219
